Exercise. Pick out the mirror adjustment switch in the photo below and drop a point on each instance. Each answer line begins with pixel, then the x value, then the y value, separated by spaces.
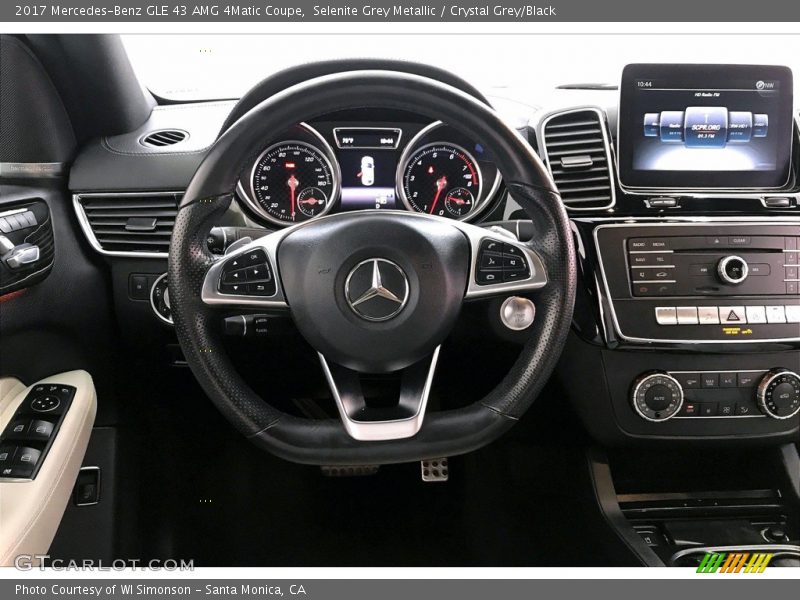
pixel 45 404
pixel 48 399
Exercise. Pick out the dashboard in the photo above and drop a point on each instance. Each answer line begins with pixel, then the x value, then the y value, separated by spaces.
pixel 344 164
pixel 680 184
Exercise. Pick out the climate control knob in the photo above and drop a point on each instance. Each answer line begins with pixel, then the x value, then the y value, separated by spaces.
pixel 733 269
pixel 778 394
pixel 657 396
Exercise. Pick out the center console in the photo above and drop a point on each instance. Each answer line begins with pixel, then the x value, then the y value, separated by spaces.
pixel 687 325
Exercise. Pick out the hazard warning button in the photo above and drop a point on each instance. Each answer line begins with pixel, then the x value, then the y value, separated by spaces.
pixel 732 315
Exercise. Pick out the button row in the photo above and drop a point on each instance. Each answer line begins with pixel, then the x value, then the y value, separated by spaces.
pixel 653 274
pixel 724 408
pixel 18 461
pixel 500 263
pixel 725 379
pixel 29 429
pixel 17 222
pixel 669 244
pixel 726 315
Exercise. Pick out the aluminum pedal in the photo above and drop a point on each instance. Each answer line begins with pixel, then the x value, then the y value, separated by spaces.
pixel 434 470
pixel 350 471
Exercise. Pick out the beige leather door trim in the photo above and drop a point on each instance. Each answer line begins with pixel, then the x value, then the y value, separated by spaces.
pixel 31 511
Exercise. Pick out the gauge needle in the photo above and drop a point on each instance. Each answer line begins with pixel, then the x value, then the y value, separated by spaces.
pixel 309 201
pixel 293 183
pixel 455 200
pixel 441 183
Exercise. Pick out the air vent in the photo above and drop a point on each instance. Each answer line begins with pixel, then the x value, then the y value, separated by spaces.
pixel 579 158
pixel 165 137
pixel 129 223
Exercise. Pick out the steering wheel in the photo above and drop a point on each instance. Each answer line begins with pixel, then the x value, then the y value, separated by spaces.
pixel 371 291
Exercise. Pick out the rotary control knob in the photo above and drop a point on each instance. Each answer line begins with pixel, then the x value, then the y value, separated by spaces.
pixel 733 269
pixel 159 299
pixel 778 394
pixel 657 396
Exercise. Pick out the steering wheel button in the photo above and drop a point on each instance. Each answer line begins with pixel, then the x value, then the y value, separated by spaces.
pixel 514 263
pixel 238 276
pixel 512 250
pixel 491 260
pixel 491 246
pixel 487 277
pixel 254 257
pixel 514 275
pixel 260 289
pixel 233 288
pixel 258 273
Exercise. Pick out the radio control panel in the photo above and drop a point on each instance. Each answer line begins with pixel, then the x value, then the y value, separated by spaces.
pixel 687 282
pixel 740 265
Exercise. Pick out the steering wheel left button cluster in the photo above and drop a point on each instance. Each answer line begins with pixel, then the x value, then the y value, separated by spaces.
pixel 28 437
pixel 249 274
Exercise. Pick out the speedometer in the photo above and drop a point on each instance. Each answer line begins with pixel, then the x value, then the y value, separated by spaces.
pixel 292 182
pixel 441 179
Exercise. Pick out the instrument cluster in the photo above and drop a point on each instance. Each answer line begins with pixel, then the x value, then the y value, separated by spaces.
pixel 335 166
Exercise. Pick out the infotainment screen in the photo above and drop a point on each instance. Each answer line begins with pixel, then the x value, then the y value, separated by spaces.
pixel 705 126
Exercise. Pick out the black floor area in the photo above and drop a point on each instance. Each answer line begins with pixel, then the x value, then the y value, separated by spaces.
pixel 204 493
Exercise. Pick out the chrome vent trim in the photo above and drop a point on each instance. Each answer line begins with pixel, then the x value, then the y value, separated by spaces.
pixel 163 137
pixel 104 218
pixel 577 151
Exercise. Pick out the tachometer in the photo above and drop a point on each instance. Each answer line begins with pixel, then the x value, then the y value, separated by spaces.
pixel 293 182
pixel 441 179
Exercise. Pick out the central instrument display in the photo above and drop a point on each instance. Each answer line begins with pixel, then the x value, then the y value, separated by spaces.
pixel 329 167
pixel 441 179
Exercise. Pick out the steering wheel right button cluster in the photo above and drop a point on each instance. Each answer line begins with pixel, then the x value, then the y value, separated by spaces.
pixel 499 262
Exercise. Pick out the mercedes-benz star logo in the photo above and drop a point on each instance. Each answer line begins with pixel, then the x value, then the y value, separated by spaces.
pixel 376 289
